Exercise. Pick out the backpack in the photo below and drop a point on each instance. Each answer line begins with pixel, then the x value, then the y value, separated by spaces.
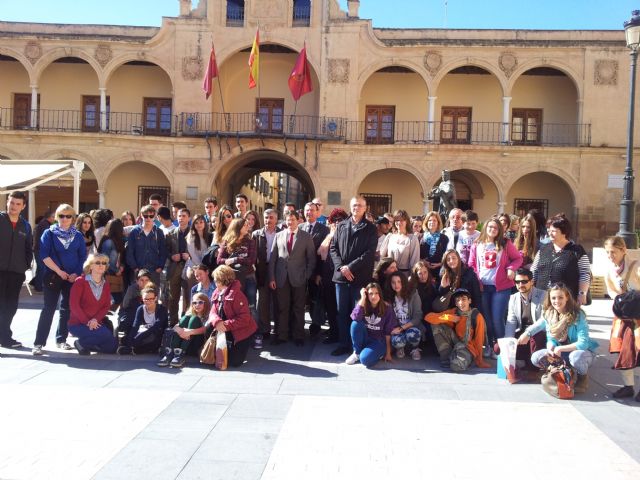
pixel 626 306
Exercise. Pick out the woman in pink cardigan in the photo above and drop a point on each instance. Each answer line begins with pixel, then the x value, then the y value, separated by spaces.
pixel 89 303
pixel 495 260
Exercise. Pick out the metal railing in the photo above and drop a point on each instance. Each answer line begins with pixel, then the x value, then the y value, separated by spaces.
pixel 302 126
pixel 473 133
pixel 252 124
pixel 235 15
pixel 301 16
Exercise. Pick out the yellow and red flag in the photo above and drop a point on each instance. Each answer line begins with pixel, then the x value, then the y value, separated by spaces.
pixel 300 78
pixel 210 74
pixel 254 61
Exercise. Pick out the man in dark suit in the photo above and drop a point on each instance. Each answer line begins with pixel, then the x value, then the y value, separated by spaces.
pixel 318 232
pixel 292 263
pixel 265 238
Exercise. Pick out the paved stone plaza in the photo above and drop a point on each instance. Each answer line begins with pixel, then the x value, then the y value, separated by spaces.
pixel 297 413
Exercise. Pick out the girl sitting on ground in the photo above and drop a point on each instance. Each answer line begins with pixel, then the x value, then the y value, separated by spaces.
pixel 408 309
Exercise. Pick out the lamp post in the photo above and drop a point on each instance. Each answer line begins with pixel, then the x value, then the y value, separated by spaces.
pixel 627 204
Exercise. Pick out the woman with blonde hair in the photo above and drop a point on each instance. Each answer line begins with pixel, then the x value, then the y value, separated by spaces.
pixel 187 337
pixel 567 334
pixel 527 240
pixel 63 252
pixel 623 276
pixel 90 302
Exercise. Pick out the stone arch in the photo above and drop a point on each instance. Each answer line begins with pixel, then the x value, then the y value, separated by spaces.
pixel 570 179
pixel 53 55
pixel 226 53
pixel 70 154
pixel 9 154
pixel 114 162
pixel 9 52
pixel 364 172
pixel 476 62
pixel 117 62
pixel 546 62
pixel 254 155
pixel 372 68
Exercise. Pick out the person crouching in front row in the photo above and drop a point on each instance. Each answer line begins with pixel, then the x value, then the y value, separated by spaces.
pixel 230 314
pixel 373 323
pixel 148 326
pixel 187 337
pixel 89 302
pixel 459 333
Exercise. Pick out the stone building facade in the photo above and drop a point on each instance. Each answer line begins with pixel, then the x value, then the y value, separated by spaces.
pixel 521 118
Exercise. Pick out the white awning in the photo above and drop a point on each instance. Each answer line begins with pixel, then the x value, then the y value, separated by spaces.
pixel 23 173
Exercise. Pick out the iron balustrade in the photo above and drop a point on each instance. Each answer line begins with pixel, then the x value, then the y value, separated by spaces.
pixel 251 124
pixel 301 16
pixel 235 15
pixel 467 133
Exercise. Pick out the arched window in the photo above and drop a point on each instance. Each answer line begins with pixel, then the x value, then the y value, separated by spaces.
pixel 301 13
pixel 235 13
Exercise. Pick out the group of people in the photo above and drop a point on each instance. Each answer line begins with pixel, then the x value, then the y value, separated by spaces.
pixel 387 286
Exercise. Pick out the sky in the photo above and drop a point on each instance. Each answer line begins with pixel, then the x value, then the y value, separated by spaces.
pixel 508 14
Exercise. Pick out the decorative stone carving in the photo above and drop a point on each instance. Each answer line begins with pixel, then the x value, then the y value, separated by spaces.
pixel 33 51
pixel 432 62
pixel 605 72
pixel 192 68
pixel 103 54
pixel 191 166
pixel 339 70
pixel 508 63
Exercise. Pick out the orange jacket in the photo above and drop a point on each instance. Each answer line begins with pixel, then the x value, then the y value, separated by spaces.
pixel 476 336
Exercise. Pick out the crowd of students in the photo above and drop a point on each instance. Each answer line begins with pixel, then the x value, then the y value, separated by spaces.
pixel 385 287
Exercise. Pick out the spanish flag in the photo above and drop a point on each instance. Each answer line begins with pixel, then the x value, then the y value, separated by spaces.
pixel 254 62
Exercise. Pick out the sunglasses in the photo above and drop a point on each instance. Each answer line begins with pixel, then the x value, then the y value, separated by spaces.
pixel 65 216
pixel 522 282
pixel 101 263
pixel 148 299
pixel 227 216
pixel 197 302
pixel 148 216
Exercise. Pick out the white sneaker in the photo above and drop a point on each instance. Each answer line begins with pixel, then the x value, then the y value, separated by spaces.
pixel 36 350
pixel 352 359
pixel 415 354
pixel 400 352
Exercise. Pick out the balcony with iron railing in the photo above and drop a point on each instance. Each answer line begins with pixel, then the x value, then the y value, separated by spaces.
pixel 308 127
pixel 301 15
pixel 235 15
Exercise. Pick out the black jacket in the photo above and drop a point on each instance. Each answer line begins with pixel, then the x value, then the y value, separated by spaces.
pixel 355 249
pixel 16 245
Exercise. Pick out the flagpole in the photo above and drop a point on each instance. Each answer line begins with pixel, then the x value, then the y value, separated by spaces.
pixel 259 105
pixel 224 111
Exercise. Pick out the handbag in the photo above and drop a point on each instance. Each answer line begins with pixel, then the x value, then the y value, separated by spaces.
pixel 208 352
pixel 116 283
pixel 52 280
pixel 559 380
pixel 441 303
pixel 222 353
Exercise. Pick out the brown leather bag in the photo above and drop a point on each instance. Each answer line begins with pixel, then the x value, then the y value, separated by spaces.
pixel 208 352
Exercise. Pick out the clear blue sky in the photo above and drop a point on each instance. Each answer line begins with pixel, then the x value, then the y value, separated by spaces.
pixel 534 14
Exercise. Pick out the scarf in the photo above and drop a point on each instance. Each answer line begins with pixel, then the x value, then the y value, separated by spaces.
pixel 559 323
pixel 65 236
pixel 431 239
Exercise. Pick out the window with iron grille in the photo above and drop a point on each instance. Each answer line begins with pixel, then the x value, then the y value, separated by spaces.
pixel 378 203
pixel 301 13
pixel 144 192
pixel 235 13
pixel 521 206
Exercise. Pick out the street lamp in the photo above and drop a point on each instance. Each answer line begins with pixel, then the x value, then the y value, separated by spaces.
pixel 627 204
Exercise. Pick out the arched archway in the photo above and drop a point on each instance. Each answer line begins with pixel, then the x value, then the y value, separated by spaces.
pixel 129 185
pixel 474 191
pixel 545 108
pixel 393 106
pixel 15 92
pixel 266 177
pixel 545 191
pixel 391 189
pixel 469 105
pixel 276 102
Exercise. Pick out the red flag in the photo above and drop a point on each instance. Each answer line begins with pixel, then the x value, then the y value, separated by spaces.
pixel 300 78
pixel 210 74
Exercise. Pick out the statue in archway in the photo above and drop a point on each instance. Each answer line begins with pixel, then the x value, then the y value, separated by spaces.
pixel 446 193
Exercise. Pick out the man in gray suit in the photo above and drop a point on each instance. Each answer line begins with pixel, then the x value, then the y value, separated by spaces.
pixel 293 258
pixel 525 309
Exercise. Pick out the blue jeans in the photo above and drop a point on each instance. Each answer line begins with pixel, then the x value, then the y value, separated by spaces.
pixel 251 291
pixel 494 309
pixel 40 269
pixel 369 350
pixel 51 297
pixel 99 340
pixel 347 295
pixel 579 359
